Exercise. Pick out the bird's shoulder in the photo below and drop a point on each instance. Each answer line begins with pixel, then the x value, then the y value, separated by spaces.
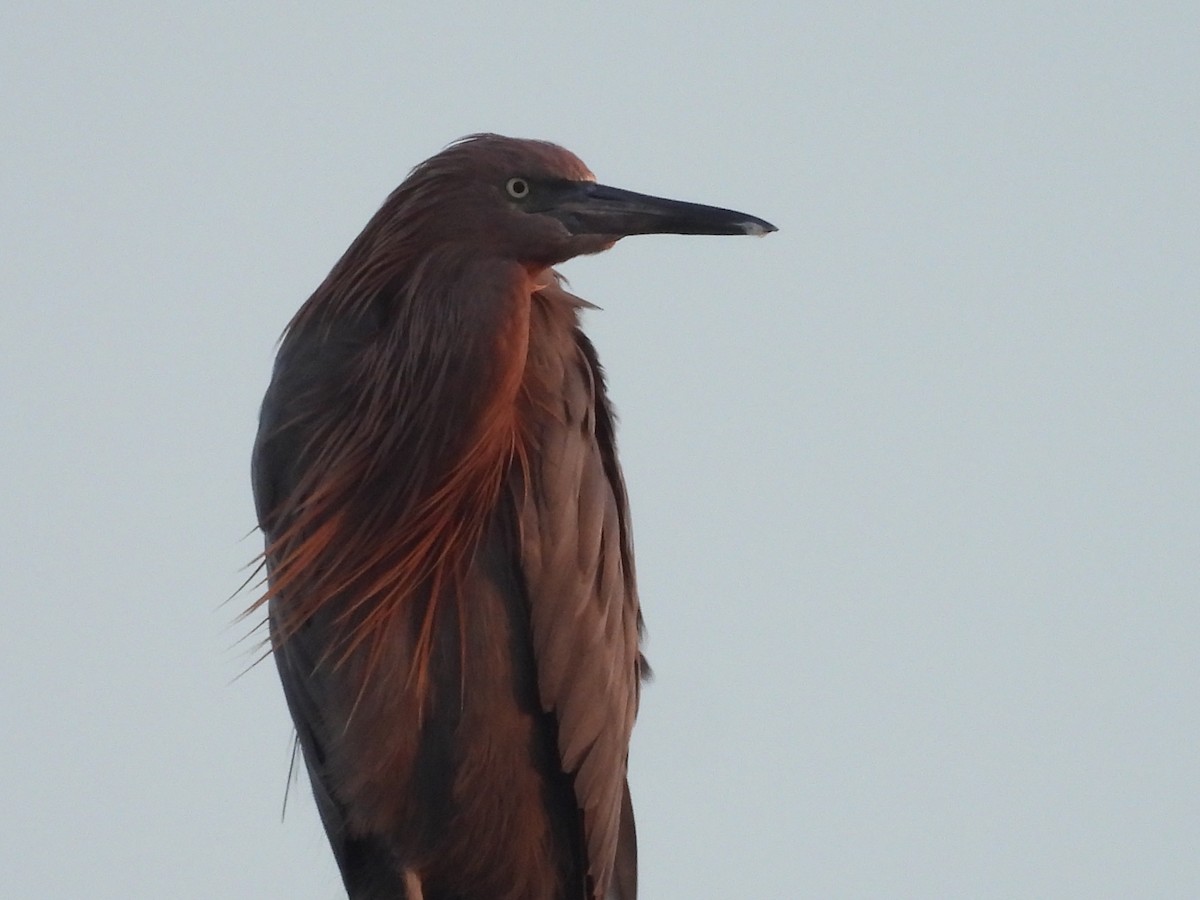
pixel 310 379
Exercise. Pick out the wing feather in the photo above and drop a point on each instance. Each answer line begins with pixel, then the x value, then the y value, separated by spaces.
pixel 578 564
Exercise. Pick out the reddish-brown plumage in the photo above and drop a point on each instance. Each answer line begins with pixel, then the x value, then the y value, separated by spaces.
pixel 451 587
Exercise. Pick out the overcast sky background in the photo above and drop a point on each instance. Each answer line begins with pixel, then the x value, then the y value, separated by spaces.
pixel 914 480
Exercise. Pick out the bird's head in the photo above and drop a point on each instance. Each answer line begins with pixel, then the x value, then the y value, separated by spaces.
pixel 538 204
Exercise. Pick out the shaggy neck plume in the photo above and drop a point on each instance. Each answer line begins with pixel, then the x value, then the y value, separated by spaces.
pixel 410 469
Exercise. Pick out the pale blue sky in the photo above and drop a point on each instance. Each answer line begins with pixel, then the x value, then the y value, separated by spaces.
pixel 914 480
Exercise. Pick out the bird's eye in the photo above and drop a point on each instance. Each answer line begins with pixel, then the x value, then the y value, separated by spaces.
pixel 518 188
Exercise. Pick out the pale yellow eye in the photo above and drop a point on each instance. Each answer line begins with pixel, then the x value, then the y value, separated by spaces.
pixel 518 188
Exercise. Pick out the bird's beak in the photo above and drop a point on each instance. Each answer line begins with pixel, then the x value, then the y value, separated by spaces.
pixel 588 208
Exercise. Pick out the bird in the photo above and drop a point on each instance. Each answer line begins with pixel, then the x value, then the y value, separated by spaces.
pixel 450 596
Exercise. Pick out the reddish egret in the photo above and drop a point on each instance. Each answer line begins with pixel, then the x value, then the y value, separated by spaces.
pixel 451 590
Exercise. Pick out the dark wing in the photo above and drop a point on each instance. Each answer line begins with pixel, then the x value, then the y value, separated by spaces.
pixel 308 373
pixel 578 565
pixel 624 882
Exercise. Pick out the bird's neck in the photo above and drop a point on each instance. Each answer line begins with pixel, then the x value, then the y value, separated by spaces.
pixel 419 456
